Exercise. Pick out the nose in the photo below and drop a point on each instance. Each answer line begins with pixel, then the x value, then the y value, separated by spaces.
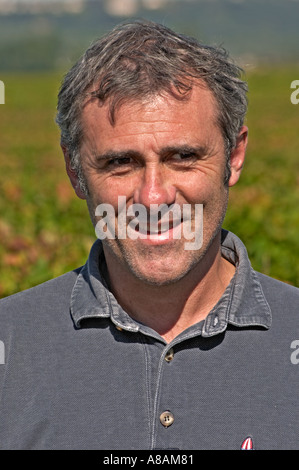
pixel 154 188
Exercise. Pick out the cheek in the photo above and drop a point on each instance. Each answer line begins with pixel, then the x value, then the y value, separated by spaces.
pixel 201 189
pixel 214 197
pixel 108 191
pixel 215 206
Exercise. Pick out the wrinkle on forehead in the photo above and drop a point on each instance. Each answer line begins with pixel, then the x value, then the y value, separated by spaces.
pixel 194 118
pixel 152 102
pixel 199 92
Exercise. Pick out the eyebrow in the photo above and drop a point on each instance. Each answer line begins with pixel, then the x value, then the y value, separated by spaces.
pixel 168 150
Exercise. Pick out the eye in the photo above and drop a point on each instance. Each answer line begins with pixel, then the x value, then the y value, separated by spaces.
pixel 120 161
pixel 121 165
pixel 183 157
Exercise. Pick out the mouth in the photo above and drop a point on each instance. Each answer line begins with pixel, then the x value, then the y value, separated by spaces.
pixel 158 228
pixel 158 233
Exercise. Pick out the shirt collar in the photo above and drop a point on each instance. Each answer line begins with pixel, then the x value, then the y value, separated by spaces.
pixel 243 303
pixel 91 297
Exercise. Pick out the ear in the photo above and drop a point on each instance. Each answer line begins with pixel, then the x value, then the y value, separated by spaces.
pixel 72 173
pixel 237 156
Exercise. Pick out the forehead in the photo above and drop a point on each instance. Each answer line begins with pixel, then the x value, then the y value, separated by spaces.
pixel 160 114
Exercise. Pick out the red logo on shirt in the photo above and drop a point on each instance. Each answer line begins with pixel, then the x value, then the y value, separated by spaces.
pixel 247 444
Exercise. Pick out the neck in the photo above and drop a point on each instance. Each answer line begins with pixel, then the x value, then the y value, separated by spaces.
pixel 170 309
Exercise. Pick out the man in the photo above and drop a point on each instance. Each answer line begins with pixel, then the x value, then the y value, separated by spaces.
pixel 154 343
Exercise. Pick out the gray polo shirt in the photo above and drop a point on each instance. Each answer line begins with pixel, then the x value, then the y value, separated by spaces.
pixel 77 372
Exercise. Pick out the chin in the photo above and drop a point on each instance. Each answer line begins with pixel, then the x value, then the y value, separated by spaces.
pixel 163 274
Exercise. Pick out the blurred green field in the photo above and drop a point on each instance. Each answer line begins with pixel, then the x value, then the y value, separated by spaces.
pixel 45 230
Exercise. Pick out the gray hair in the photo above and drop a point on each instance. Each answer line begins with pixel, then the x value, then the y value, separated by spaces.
pixel 139 59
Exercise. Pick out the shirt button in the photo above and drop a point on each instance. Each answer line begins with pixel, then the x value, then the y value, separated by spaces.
pixel 169 355
pixel 166 418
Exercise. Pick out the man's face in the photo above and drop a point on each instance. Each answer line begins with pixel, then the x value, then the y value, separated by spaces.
pixel 162 151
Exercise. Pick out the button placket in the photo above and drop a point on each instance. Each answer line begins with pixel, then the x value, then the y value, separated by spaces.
pixel 166 417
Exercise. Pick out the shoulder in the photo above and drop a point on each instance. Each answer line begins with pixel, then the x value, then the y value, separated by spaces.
pixel 278 290
pixel 283 300
pixel 46 295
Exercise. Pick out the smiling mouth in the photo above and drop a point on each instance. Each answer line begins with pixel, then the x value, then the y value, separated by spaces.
pixel 158 229
pixel 161 232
